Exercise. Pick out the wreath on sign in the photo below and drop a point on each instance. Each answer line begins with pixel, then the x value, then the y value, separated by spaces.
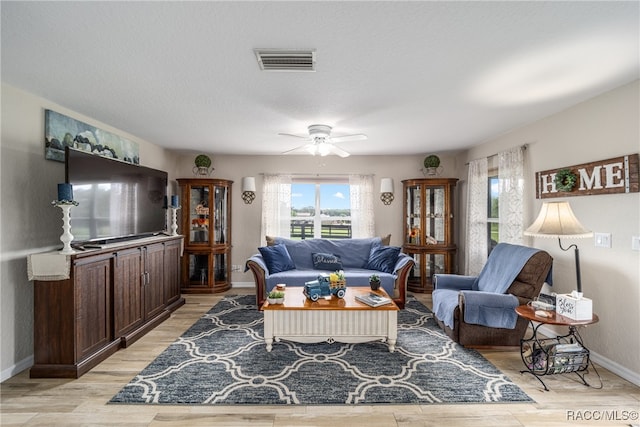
pixel 565 180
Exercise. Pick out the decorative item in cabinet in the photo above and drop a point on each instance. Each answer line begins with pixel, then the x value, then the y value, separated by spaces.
pixel 429 229
pixel 206 225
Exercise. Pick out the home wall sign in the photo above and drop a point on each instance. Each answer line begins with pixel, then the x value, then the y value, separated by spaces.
pixel 62 131
pixel 617 175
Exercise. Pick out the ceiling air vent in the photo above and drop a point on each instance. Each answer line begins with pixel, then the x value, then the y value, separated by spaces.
pixel 286 60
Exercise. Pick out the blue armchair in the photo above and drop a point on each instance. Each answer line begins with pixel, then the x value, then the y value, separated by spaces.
pixel 479 311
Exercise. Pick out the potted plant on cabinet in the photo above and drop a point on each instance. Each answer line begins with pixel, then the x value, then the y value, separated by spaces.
pixel 374 282
pixel 202 165
pixel 431 164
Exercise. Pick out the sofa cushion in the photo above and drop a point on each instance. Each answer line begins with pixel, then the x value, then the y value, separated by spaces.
pixel 354 253
pixel 383 258
pixel 322 261
pixel 277 258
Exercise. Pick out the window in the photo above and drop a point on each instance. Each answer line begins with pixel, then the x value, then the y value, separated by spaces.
pixel 493 211
pixel 320 209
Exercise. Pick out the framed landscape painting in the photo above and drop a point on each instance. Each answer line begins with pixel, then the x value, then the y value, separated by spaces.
pixel 62 131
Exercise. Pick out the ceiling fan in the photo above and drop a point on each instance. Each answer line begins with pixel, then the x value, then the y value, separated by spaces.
pixel 322 143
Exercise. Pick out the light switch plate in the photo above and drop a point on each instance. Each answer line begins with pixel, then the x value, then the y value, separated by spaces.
pixel 602 240
pixel 635 243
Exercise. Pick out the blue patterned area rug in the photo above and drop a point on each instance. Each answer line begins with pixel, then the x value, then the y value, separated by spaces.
pixel 222 359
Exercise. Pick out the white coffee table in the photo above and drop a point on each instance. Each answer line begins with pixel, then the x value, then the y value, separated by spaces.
pixel 343 320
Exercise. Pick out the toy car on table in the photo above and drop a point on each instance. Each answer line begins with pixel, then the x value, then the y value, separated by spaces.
pixel 323 287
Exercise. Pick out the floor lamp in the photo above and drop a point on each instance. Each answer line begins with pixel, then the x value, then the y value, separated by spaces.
pixel 556 219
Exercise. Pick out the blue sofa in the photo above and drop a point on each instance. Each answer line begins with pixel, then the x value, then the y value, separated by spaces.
pixel 359 258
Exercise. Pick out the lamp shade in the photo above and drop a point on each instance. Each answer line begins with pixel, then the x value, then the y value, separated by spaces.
pixel 386 185
pixel 556 219
pixel 248 184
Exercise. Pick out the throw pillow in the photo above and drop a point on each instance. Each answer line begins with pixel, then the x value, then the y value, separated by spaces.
pixel 277 258
pixel 383 258
pixel 323 261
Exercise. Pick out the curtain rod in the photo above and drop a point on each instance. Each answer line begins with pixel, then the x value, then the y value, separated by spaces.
pixel 523 147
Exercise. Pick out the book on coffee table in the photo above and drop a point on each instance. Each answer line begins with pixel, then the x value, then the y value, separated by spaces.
pixel 373 300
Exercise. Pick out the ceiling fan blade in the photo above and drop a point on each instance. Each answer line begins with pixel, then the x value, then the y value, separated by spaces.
pixel 295 136
pixel 345 138
pixel 337 150
pixel 302 148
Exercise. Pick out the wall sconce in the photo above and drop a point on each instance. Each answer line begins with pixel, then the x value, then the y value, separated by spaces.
pixel 386 190
pixel 248 189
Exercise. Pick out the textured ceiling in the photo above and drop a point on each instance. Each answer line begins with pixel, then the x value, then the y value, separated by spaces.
pixel 416 77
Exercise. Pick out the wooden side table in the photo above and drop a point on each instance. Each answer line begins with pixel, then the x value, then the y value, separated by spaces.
pixel 560 355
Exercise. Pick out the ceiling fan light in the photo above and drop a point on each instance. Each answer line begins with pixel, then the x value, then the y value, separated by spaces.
pixel 312 149
pixel 324 149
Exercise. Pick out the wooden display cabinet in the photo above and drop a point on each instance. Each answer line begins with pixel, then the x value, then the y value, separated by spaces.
pixel 206 226
pixel 429 229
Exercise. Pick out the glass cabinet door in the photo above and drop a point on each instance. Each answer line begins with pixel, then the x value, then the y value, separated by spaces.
pixel 413 215
pixel 199 266
pixel 435 264
pixel 221 273
pixel 434 215
pixel 415 275
pixel 220 231
pixel 199 214
pixel 425 266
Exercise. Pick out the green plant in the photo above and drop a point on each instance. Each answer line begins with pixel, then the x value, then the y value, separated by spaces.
pixel 431 161
pixel 374 278
pixel 275 294
pixel 203 161
pixel 565 180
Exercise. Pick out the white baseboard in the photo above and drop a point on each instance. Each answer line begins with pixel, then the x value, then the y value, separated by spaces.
pixel 243 284
pixel 616 368
pixel 17 368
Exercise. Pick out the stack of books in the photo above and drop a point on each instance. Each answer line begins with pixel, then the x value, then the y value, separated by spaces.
pixel 373 300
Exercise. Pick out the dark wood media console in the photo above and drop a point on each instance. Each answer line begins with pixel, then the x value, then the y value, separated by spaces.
pixel 112 297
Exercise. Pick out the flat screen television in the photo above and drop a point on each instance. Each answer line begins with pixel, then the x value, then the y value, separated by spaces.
pixel 116 200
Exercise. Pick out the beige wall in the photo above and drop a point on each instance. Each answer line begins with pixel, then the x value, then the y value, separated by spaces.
pixel 28 222
pixel 604 127
pixel 246 219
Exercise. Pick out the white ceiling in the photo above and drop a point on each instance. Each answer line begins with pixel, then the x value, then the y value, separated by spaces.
pixel 416 77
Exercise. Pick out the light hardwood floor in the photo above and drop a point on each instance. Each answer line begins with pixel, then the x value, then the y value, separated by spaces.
pixel 83 402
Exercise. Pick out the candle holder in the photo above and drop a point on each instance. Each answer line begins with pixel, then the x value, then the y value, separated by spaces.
pixel 66 236
pixel 174 220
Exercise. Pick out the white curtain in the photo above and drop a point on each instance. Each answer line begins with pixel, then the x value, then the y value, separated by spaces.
pixel 476 242
pixel 276 206
pixel 511 199
pixel 361 194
